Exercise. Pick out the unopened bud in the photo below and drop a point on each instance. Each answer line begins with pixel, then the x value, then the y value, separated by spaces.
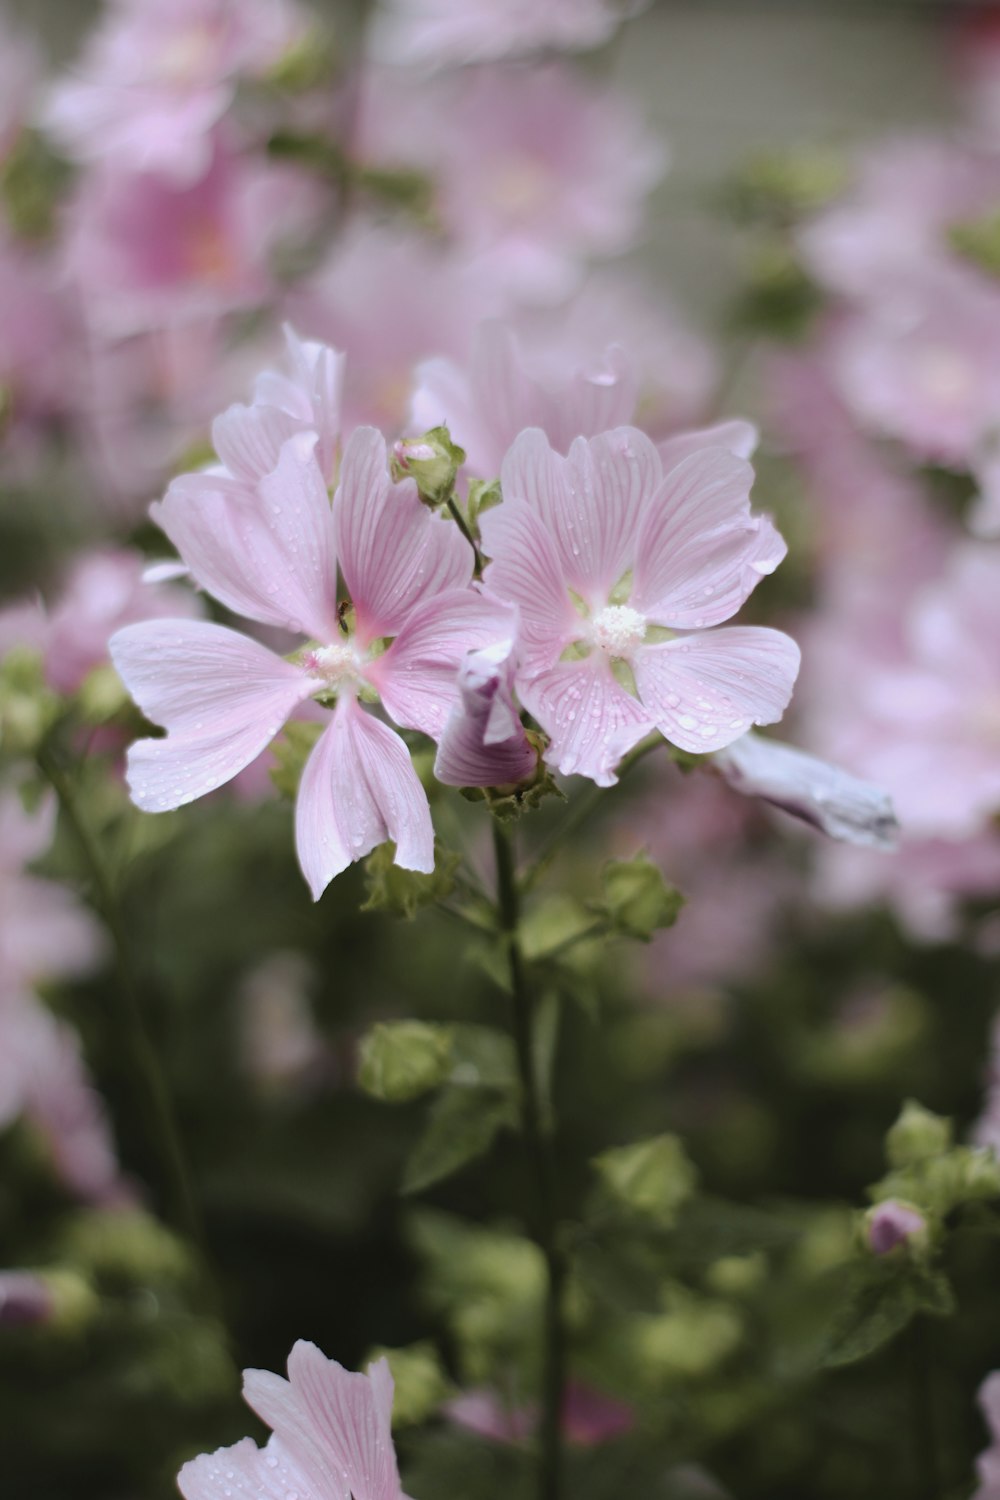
pixel 917 1135
pixel 432 459
pixel 894 1223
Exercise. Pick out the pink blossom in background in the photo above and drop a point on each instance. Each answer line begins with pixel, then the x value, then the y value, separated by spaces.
pixel 988 1462
pixel 37 340
pixel 332 1437
pixel 44 932
pixel 24 1299
pixel 987 1128
pixel 617 570
pixel 20 72
pixel 143 253
pixel 153 81
pixel 361 300
pixel 487 405
pixel 535 170
pixel 438 33
pixel 271 552
pixel 589 1416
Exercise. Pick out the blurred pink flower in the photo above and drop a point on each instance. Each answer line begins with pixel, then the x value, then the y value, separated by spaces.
pixel 588 1416
pixel 44 932
pixel 616 570
pixel 439 33
pixel 24 1299
pixel 988 1462
pixel 153 80
pixel 332 1436
pixel 890 1224
pixel 223 697
pixel 535 170
pixel 145 253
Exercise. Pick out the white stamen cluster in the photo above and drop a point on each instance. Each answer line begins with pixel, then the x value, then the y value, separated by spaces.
pixel 617 629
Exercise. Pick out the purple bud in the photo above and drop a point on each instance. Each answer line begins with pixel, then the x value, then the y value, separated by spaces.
pixel 892 1223
pixel 24 1300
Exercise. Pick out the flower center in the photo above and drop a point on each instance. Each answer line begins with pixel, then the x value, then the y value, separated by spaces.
pixel 617 629
pixel 335 664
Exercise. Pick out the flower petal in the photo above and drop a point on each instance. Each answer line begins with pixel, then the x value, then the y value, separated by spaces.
pixel 335 1422
pixel 246 1472
pixel 266 553
pixel 700 552
pixel 527 571
pixel 417 677
pixel 221 697
pixel 704 691
pixel 393 551
pixel 736 436
pixel 249 439
pixel 358 789
pixel 590 719
pixel 589 502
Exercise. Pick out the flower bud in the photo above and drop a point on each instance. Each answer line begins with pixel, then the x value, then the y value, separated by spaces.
pixel 652 1177
pixel 401 1060
pixel 917 1135
pixel 893 1223
pixel 432 459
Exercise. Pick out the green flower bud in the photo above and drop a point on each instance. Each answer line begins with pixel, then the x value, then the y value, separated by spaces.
pixel 653 1177
pixel 637 899
pixel 917 1135
pixel 400 1060
pixel 432 459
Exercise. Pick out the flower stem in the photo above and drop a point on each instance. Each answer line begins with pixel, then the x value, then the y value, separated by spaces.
pixel 141 1063
pixel 538 1142
pixel 463 527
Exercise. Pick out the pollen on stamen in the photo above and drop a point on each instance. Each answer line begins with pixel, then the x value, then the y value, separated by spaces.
pixel 333 663
pixel 618 629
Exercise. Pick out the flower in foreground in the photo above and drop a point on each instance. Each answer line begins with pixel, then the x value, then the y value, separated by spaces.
pixel 332 1437
pixel 270 551
pixel 617 568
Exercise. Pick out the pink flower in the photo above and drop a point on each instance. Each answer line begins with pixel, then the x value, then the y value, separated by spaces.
pixel 332 1437
pixel 616 569
pixel 438 32
pixel 270 552
pixel 155 80
pixel 44 932
pixel 24 1299
pixel 588 1416
pixel 248 439
pixel 988 1462
pixel 146 252
pixel 535 170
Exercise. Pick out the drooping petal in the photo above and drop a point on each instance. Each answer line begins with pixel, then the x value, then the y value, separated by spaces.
pixel 358 789
pixel 736 436
pixel 417 677
pixel 699 551
pixel 589 717
pixel 484 742
pixel 840 805
pixel 249 439
pixel 266 553
pixel 526 570
pixel 248 1472
pixel 704 691
pixel 221 697
pixel 393 551
pixel 334 1422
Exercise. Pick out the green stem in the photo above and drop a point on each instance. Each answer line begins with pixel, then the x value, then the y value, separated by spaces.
pixel 141 1063
pixel 583 808
pixel 463 527
pixel 929 1480
pixel 538 1142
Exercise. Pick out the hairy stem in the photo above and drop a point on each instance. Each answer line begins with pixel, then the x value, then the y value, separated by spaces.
pixel 152 1100
pixel 463 527
pixel 538 1143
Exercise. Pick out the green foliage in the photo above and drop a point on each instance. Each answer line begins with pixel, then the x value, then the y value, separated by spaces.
pixel 420 1380
pixel 28 707
pixel 652 1178
pixel 882 1299
pixel 637 900
pixel 291 750
pixel 32 180
pixel 480 1098
pixel 978 240
pixel 917 1136
pixel 400 1060
pixel 403 892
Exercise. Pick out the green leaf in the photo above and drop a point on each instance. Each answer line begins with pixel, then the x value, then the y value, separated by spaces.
pixel 652 1178
pixel 482 1058
pixel 291 750
pixel 420 1381
pixel 400 1060
pixel 404 892
pixel 461 1126
pixel 637 899
pixel 882 1303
